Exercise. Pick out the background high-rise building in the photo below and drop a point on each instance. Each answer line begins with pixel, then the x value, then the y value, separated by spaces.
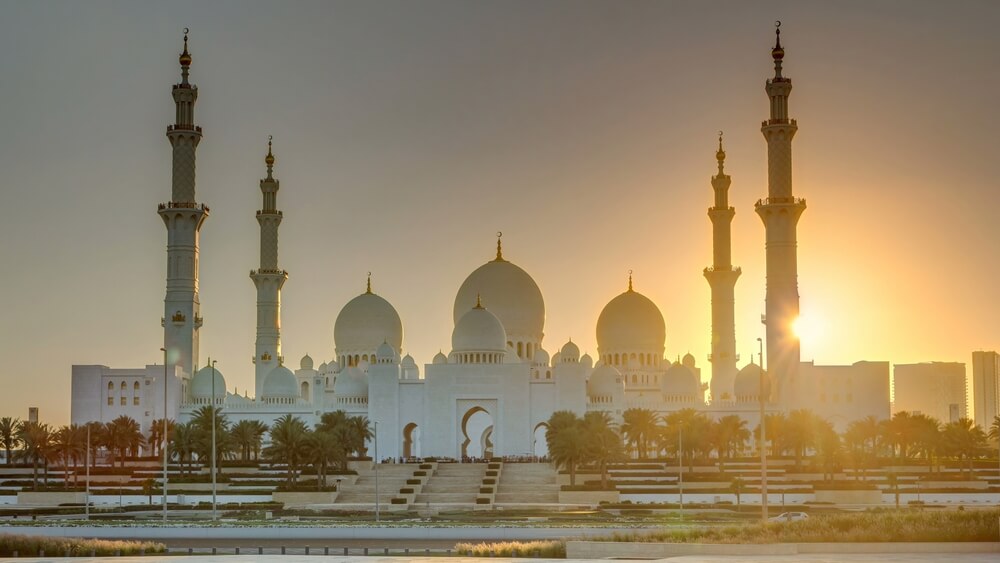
pixel 937 389
pixel 984 387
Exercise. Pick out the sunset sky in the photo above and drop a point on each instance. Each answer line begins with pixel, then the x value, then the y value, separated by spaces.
pixel 408 133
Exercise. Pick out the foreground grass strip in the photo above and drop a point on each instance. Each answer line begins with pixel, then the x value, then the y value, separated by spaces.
pixel 869 526
pixel 28 546
pixel 542 548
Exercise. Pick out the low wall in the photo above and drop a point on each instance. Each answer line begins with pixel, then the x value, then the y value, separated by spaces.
pixel 625 550
pixel 33 498
pixel 850 497
pixel 298 499
pixel 588 497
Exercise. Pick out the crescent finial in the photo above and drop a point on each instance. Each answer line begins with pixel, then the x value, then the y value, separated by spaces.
pixel 777 23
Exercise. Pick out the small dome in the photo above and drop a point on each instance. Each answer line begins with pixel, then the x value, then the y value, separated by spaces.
pixel 606 381
pixel 365 322
pixel 747 382
pixel 556 358
pixel 440 358
pixel 201 383
pixel 587 360
pixel 409 362
pixel 352 382
pixel 510 293
pixel 570 352
pixel 479 330
pixel 385 353
pixel 280 383
pixel 688 360
pixel 306 363
pixel 322 367
pixel 630 322
pixel 679 380
pixel 541 357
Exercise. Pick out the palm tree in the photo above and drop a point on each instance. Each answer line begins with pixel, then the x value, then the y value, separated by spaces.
pixel 926 438
pixel 35 439
pixel 182 445
pixel 900 433
pixel 289 444
pixel 566 442
pixel 737 485
pixel 123 435
pixel 96 431
pixel 604 445
pixel 995 429
pixel 689 431
pixel 965 440
pixel 156 435
pixel 828 448
pixel 775 426
pixel 324 450
pixel 730 433
pixel 360 433
pixel 801 433
pixel 638 427
pixel 9 431
pixel 67 445
pixel 201 423
pixel 248 435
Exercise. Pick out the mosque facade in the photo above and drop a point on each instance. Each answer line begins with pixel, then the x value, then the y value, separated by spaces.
pixel 498 385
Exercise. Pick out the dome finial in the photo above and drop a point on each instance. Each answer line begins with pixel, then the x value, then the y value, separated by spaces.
pixel 720 155
pixel 269 159
pixel 630 280
pixel 777 53
pixel 185 59
pixel 479 301
pixel 369 288
pixel 499 250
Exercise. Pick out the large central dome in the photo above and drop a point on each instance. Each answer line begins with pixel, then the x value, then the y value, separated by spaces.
pixel 365 322
pixel 631 323
pixel 510 294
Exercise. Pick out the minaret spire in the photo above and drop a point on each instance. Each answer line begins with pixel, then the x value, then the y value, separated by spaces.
pixel 722 278
pixel 780 213
pixel 368 287
pixel 269 279
pixel 499 249
pixel 183 218
pixel 630 280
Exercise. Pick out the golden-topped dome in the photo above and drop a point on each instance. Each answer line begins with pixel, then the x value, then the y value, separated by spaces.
pixel 269 159
pixel 185 57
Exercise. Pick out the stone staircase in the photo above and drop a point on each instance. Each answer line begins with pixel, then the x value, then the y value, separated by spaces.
pixel 453 483
pixel 527 483
pixel 391 477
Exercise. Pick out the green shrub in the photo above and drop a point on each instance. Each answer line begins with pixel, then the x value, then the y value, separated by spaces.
pixel 406 491
pixel 486 490
pixel 413 481
pixel 491 473
pixel 489 481
pixel 419 473
pixel 426 466
pixel 398 500
pixel 482 500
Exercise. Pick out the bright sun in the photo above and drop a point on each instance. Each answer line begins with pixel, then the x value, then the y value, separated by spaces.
pixel 807 328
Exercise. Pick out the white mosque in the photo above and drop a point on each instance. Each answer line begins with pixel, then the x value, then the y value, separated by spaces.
pixel 493 392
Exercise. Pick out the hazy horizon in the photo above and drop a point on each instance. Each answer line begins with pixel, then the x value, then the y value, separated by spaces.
pixel 408 133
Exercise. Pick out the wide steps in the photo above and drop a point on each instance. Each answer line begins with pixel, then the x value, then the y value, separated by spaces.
pixel 445 498
pixel 532 498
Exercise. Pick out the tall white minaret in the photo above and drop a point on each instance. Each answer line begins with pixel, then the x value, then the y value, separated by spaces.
pixel 269 279
pixel 780 213
pixel 722 278
pixel 183 217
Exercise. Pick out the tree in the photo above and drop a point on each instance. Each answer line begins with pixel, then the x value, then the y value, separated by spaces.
pixel 926 438
pixel 35 440
pixel 737 485
pixel 900 432
pixel 323 450
pixel 603 445
pixel 148 488
pixel 964 440
pixel 69 447
pixel 828 449
pixel 800 433
pixel 689 432
pixel 122 435
pixel 360 434
pixel 566 442
pixel 289 445
pixel 201 424
pixel 9 435
pixel 156 435
pixel 995 429
pixel 183 445
pixel 729 433
pixel 774 432
pixel 639 426
pixel 247 435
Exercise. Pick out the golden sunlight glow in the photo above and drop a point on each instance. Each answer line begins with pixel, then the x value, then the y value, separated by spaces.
pixel 808 328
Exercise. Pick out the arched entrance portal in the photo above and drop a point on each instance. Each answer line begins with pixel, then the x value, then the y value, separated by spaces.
pixel 411 440
pixel 539 447
pixel 477 432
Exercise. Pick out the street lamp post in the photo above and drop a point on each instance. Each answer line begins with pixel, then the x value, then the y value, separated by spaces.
pixel 163 444
pixel 375 461
pixel 680 468
pixel 214 505
pixel 763 449
pixel 86 504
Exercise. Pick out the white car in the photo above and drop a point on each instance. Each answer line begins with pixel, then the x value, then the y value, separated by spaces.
pixel 789 517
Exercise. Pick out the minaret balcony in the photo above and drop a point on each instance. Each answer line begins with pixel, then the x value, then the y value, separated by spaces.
pixel 268 271
pixel 780 201
pixel 183 127
pixel 710 269
pixel 182 205
pixel 274 212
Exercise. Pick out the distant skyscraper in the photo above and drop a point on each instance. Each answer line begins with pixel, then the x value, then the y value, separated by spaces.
pixel 937 389
pixel 780 213
pixel 985 387
pixel 722 278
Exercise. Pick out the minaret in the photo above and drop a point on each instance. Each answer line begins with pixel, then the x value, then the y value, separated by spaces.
pixel 183 217
pixel 268 279
pixel 722 278
pixel 780 213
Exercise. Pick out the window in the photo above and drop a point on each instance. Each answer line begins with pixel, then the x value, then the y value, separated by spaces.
pixel 111 400
pixel 124 401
